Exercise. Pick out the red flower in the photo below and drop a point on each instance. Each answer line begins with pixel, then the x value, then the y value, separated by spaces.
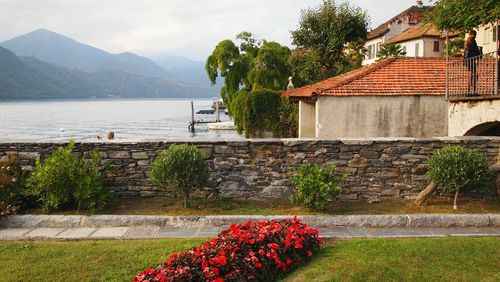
pixel 309 253
pixel 258 265
pixel 215 270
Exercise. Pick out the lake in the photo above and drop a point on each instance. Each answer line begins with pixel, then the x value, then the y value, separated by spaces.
pixel 83 120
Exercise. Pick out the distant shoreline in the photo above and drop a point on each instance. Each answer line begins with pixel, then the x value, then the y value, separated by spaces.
pixel 101 99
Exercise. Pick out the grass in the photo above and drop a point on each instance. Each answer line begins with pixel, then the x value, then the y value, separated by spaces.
pixel 430 259
pixel 201 206
pixel 423 259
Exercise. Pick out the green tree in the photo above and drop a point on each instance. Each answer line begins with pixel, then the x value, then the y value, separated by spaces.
pixel 181 167
pixel 322 37
pixel 457 169
pixel 464 15
pixel 391 50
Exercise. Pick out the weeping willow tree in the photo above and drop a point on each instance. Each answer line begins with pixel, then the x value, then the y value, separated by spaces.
pixel 254 74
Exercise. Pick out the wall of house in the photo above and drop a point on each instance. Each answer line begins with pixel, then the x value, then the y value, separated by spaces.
pixel 429 47
pixel 307 116
pixel 410 47
pixel 466 115
pixel 370 60
pixel 485 38
pixel 260 169
pixel 381 116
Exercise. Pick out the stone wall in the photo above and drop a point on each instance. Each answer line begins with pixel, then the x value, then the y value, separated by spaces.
pixel 260 169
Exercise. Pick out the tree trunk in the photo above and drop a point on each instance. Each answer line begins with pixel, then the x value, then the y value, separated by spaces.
pixel 422 197
pixel 186 197
pixel 455 207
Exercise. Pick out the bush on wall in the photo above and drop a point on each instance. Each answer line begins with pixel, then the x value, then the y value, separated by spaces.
pixel 12 179
pixel 264 110
pixel 181 167
pixel 458 169
pixel 254 251
pixel 315 186
pixel 66 180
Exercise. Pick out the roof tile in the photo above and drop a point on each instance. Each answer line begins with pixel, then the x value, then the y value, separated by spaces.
pixel 390 77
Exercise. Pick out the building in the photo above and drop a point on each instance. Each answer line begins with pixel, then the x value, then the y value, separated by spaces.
pixel 396 97
pixel 487 37
pixel 420 41
pixel 391 28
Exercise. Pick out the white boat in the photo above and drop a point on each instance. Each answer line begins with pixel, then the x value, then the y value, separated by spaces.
pixel 226 125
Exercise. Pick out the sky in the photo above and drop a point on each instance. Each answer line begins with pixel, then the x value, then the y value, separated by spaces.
pixel 189 28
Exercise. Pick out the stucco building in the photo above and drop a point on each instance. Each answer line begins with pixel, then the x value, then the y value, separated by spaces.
pixel 420 41
pixel 391 28
pixel 396 97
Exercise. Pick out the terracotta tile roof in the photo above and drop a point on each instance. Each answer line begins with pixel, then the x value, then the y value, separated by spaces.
pixel 414 32
pixel 390 77
pixel 414 12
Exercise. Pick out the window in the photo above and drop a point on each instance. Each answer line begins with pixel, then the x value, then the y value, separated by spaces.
pixel 495 34
pixel 487 35
pixel 417 49
pixel 436 46
pixel 404 50
pixel 377 49
pixel 370 47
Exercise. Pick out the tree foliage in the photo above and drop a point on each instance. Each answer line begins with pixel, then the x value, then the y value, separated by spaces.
pixel 464 15
pixel 457 169
pixel 322 37
pixel 315 186
pixel 255 63
pixel 391 50
pixel 66 180
pixel 181 167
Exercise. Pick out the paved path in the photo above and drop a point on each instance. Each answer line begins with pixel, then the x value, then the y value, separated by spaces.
pixel 151 232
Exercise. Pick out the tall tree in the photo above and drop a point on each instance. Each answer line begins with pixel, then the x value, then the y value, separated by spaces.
pixel 254 64
pixel 391 50
pixel 464 15
pixel 322 37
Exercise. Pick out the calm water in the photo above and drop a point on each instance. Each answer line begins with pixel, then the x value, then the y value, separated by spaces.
pixel 83 120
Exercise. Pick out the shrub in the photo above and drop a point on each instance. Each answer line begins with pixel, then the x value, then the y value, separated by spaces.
pixel 12 179
pixel 181 167
pixel 457 169
pixel 66 180
pixel 264 110
pixel 260 251
pixel 315 185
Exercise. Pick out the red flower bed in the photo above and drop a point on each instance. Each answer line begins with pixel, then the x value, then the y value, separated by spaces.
pixel 254 251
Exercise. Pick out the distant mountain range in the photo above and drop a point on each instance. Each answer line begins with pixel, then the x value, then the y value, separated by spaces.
pixel 43 64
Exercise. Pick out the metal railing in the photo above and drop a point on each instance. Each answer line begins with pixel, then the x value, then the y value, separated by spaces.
pixel 473 77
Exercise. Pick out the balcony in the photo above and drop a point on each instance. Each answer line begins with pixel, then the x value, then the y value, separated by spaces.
pixel 474 78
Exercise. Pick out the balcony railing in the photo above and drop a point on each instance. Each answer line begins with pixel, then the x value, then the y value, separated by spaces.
pixel 473 77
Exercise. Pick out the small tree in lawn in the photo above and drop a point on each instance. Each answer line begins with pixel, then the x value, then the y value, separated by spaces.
pixel 457 169
pixel 181 167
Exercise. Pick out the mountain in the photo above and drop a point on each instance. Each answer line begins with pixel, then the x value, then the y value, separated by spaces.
pixel 57 49
pixel 31 78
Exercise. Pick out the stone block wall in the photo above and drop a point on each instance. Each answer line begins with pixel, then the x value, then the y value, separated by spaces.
pixel 260 169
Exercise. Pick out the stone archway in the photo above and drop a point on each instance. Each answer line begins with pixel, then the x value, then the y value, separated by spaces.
pixel 485 129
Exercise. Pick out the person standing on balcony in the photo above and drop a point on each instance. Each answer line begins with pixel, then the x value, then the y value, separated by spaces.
pixel 471 56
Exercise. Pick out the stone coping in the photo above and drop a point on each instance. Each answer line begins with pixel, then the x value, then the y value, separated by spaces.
pixel 394 220
pixel 285 141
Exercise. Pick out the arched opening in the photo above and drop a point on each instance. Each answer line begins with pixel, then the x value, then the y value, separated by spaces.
pixel 485 129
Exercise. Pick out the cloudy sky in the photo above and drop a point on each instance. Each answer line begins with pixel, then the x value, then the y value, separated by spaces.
pixel 182 27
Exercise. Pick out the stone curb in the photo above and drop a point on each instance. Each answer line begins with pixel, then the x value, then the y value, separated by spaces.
pixel 397 220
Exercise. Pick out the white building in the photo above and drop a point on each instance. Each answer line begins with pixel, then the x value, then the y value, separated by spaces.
pixel 391 28
pixel 420 41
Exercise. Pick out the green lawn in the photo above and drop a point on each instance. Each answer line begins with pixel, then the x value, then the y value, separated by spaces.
pixel 436 259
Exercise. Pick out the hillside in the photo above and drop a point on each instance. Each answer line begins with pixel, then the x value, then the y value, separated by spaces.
pixel 30 78
pixel 57 49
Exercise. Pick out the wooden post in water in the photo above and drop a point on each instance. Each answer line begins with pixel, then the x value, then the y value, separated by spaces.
pixel 192 117
pixel 217 114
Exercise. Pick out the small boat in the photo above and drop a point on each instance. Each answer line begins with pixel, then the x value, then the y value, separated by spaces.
pixel 226 125
pixel 221 104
